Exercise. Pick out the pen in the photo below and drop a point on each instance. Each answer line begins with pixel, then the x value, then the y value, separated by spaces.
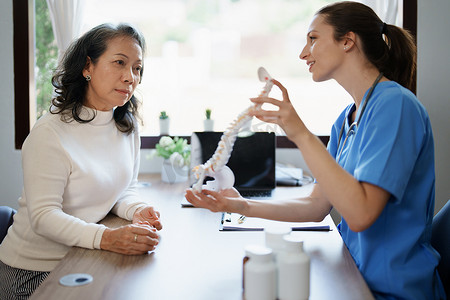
pixel 241 219
pixel 226 217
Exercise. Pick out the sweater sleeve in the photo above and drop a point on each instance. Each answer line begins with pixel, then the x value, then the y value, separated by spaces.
pixel 46 170
pixel 130 199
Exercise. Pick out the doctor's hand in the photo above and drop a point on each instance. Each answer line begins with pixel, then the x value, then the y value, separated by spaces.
pixel 228 200
pixel 286 116
pixel 147 215
pixel 133 239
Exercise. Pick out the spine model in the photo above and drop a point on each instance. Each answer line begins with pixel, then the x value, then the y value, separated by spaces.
pixel 216 166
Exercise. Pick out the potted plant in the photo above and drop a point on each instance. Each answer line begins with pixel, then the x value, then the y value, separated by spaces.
pixel 177 157
pixel 208 123
pixel 164 123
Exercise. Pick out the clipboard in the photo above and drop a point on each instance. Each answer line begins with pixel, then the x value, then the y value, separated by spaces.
pixel 237 222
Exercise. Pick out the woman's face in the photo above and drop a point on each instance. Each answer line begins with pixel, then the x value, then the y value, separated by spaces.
pixel 115 75
pixel 323 54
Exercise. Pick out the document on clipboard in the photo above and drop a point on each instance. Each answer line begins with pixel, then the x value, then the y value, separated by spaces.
pixel 237 222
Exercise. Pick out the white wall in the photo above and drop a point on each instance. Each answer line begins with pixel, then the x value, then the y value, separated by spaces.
pixel 433 86
pixel 433 91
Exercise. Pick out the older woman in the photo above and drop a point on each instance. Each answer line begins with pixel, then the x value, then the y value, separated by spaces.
pixel 80 162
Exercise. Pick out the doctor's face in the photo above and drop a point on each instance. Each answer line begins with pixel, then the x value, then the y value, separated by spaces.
pixel 322 53
pixel 115 75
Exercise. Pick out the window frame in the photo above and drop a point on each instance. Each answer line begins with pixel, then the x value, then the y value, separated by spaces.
pixel 24 60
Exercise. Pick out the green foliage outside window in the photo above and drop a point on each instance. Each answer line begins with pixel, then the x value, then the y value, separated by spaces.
pixel 46 57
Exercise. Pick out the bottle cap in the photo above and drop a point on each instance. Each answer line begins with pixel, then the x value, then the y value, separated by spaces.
pixel 274 236
pixel 292 243
pixel 258 253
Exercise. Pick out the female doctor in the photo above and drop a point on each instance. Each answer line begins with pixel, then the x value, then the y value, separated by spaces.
pixel 378 169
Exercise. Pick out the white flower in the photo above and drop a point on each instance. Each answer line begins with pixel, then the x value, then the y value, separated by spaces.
pixel 168 146
pixel 176 159
pixel 165 141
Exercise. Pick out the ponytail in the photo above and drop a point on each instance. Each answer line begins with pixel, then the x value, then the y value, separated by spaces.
pixel 401 66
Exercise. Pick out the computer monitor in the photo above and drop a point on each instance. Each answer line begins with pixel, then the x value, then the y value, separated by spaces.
pixel 252 159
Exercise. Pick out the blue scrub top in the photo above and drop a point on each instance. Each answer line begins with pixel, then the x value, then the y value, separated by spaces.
pixel 392 148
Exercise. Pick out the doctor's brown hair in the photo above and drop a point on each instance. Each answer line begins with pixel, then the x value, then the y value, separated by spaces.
pixel 394 54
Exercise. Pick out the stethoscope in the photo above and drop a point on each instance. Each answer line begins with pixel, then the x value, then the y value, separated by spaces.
pixel 354 125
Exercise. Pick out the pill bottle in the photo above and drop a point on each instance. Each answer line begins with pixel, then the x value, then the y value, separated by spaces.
pixel 260 274
pixel 293 270
pixel 248 253
pixel 274 237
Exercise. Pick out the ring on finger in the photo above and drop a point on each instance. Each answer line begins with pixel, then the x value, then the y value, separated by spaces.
pixel 135 238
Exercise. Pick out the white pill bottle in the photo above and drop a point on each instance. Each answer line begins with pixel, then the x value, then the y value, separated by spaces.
pixel 293 270
pixel 274 238
pixel 260 274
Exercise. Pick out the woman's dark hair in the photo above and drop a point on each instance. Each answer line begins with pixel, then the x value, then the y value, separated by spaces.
pixel 395 55
pixel 71 86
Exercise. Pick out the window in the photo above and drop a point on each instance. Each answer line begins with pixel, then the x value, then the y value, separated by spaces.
pixel 204 54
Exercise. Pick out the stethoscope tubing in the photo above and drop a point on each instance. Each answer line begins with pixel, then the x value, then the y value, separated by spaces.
pixel 354 125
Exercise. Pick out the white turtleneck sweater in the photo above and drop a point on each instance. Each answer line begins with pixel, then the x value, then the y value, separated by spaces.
pixel 74 175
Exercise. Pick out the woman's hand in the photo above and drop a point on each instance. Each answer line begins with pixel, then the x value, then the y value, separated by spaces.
pixel 133 239
pixel 147 215
pixel 286 116
pixel 228 200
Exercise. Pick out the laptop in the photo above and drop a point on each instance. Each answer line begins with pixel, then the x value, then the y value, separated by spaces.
pixel 252 160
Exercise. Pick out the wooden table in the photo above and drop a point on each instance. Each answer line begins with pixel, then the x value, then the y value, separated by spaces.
pixel 195 260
